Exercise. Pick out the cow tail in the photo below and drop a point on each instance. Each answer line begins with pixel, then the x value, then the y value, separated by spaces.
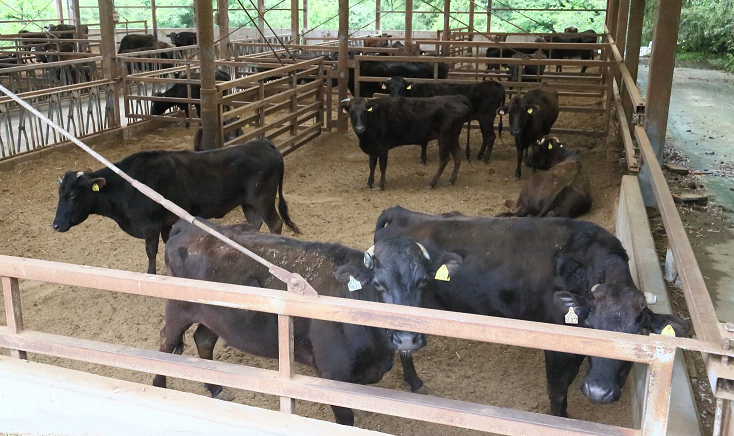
pixel 384 219
pixel 283 206
pixel 468 150
pixel 499 130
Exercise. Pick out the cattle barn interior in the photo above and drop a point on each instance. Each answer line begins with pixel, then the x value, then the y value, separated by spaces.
pixel 78 301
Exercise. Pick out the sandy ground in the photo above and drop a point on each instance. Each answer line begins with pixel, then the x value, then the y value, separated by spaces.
pixel 325 188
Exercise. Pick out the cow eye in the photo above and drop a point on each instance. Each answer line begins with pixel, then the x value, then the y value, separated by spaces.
pixel 72 195
pixel 378 286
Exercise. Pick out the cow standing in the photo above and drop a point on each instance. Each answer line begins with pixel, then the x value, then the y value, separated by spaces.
pixel 561 191
pixel 136 42
pixel 206 184
pixel 485 98
pixel 179 90
pixel 392 271
pixel 532 116
pixel 536 270
pixel 182 39
pixel 585 37
pixel 527 70
pixel 413 70
pixel 383 124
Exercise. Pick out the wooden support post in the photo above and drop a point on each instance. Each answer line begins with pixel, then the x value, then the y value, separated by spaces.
pixel 294 22
pixel 305 14
pixel 107 38
pixel 154 19
pixel 223 23
pixel 660 79
pixel 409 27
pixel 657 394
pixel 261 16
pixel 378 7
pixel 446 26
pixel 471 21
pixel 60 11
pixel 75 12
pixel 612 14
pixel 634 37
pixel 620 35
pixel 342 70
pixel 210 98
pixel 13 312
pixel 285 357
pixel 489 16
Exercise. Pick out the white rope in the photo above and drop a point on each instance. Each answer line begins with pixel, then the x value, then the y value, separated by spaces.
pixel 295 282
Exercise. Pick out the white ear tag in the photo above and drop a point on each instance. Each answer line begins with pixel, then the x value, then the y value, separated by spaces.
pixel 571 317
pixel 668 331
pixel 354 284
pixel 443 274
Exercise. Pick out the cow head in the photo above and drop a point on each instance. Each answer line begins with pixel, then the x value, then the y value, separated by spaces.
pixel 172 36
pixel 542 154
pixel 77 195
pixel 397 87
pixel 571 30
pixel 398 270
pixel 358 109
pixel 618 309
pixel 519 112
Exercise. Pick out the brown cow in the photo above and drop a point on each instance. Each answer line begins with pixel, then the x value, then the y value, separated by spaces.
pixel 562 191
pixel 378 41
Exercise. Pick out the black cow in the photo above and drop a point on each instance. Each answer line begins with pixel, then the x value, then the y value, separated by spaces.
pixel 527 70
pixel 561 191
pixel 181 39
pixel 179 90
pixel 531 117
pixel 67 29
pixel 393 271
pixel 413 70
pixel 383 124
pixel 485 98
pixel 136 42
pixel 535 270
pixel 133 67
pixel 585 37
pixel 206 184
pixel 502 51
pixel 199 136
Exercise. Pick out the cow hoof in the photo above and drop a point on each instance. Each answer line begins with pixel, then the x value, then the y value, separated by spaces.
pixel 423 390
pixel 224 395
pixel 378 189
pixel 430 186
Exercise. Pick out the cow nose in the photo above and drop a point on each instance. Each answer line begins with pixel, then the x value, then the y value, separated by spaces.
pixel 407 341
pixel 598 393
pixel 514 132
pixel 56 227
pixel 358 129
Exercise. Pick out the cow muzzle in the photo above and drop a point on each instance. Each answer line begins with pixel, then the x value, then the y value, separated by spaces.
pixel 60 228
pixel 359 129
pixel 407 341
pixel 514 132
pixel 601 393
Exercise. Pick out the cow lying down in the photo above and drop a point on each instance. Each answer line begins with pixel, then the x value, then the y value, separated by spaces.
pixel 537 270
pixel 207 184
pixel 395 271
pixel 561 191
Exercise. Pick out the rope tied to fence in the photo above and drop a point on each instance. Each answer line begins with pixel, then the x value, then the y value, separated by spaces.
pixel 295 282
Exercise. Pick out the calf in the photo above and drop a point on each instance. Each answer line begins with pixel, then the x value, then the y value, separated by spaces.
pixel 393 271
pixel 531 117
pixel 413 70
pixel 562 191
pixel 135 42
pixel 383 124
pixel 207 184
pixel 179 90
pixel 537 270
pixel 181 39
pixel 527 70
pixel 485 98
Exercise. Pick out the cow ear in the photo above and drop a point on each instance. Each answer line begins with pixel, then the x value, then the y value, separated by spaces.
pixel 533 109
pixel 564 299
pixel 658 322
pixel 444 265
pixel 345 105
pixel 371 106
pixel 98 183
pixel 355 277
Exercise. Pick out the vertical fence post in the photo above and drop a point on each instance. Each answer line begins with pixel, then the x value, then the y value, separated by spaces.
pixel 294 102
pixel 356 78
pixel 342 67
pixel 657 393
pixel 285 358
pixel 11 295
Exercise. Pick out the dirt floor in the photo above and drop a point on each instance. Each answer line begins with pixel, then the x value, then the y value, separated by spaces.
pixel 325 187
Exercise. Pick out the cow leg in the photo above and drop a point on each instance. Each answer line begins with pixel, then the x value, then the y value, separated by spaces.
pixel 373 164
pixel 488 137
pixel 252 216
pixel 205 340
pixel 171 337
pixel 410 375
pixel 560 371
pixel 456 154
pixel 518 147
pixel 343 415
pixel 151 248
pixel 383 171
pixel 272 219
pixel 165 233
pixel 443 160
pixel 424 157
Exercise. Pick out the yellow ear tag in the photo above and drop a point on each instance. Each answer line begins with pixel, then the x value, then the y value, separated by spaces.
pixel 530 111
pixel 571 317
pixel 550 146
pixel 443 274
pixel 409 87
pixel 668 331
pixel 95 187
pixel 369 109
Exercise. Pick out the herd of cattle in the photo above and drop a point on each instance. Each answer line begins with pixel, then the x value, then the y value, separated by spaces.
pixel 514 266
